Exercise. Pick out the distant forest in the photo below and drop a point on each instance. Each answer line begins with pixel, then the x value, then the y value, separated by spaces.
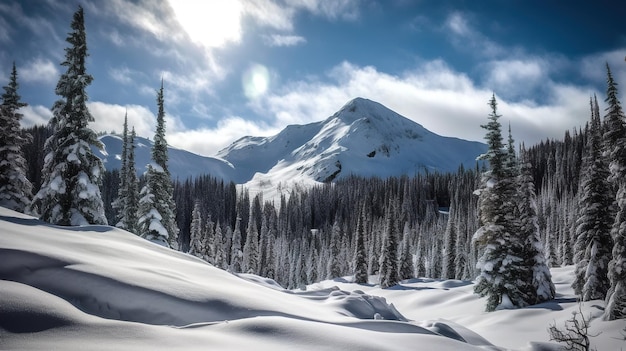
pixel 318 223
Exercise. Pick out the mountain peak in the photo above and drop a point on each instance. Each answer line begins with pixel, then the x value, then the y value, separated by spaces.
pixel 363 138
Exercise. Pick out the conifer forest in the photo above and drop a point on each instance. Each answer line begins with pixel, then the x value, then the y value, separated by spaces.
pixel 521 210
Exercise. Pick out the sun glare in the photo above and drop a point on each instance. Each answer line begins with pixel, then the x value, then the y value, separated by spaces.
pixel 256 81
pixel 211 23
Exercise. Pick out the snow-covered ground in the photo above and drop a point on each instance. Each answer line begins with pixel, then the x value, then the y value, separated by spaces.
pixel 101 288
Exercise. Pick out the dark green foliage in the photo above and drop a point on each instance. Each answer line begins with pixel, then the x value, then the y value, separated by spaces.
pixel 15 187
pixel 70 193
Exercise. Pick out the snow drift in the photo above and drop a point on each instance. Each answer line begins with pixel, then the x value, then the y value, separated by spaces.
pixel 98 287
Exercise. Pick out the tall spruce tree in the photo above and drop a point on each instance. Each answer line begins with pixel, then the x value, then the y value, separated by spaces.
pixel 360 255
pixel 72 173
pixel 236 254
pixel 15 188
pixel 120 202
pixel 593 228
pixel 615 140
pixel 196 244
pixel 542 286
pixel 157 208
pixel 389 253
pixel 251 249
pixel 131 198
pixel 503 274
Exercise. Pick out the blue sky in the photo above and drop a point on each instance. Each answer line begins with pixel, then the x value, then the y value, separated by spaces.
pixel 250 67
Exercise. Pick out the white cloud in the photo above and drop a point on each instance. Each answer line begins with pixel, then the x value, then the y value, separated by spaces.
pixel 283 40
pixel 457 23
pixel 465 37
pixel 268 13
pixel 35 115
pixel 39 70
pixel 208 141
pixel 344 9
pixel 515 77
pixel 110 117
pixel 594 67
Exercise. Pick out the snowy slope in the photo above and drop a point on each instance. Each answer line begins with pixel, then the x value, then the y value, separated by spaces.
pixel 182 164
pixel 363 138
pixel 101 288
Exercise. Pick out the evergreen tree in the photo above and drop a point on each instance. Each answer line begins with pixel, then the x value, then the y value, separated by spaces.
pixel 196 242
pixel 542 286
pixel 405 261
pixel 70 194
pixel 15 188
pixel 157 220
pixel 131 198
pixel 593 232
pixel 236 255
pixel 218 256
pixel 360 255
pixel 502 268
pixel 615 139
pixel 389 254
pixel 449 246
pixel 333 269
pixel 209 241
pixel 251 249
pixel 120 202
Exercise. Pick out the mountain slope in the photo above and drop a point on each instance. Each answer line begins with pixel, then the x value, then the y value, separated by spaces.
pixel 363 138
pixel 182 164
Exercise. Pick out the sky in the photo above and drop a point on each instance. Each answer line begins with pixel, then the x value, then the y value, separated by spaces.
pixel 233 68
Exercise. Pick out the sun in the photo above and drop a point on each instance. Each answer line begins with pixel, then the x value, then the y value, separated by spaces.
pixel 211 23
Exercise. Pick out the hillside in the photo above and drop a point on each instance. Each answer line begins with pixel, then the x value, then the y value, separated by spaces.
pixel 363 138
pixel 100 288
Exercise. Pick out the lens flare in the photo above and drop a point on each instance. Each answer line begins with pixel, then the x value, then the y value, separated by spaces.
pixel 256 81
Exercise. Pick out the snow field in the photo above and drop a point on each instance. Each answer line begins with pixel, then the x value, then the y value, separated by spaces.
pixel 99 287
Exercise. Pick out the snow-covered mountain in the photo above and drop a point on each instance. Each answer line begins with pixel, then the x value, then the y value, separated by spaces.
pixel 363 138
pixel 182 164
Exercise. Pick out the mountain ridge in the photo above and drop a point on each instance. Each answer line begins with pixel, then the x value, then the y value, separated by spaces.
pixel 362 138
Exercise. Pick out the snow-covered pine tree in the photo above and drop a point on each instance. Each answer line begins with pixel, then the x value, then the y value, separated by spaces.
pixel 449 244
pixel 389 253
pixel 592 250
pixel 405 261
pixel 503 276
pixel 360 255
pixel 157 219
pixel 218 256
pixel 196 242
pixel 209 241
pixel 542 286
pixel 251 249
pixel 16 191
pixel 236 255
pixel 333 269
pixel 615 140
pixel 120 202
pixel 131 202
pixel 72 173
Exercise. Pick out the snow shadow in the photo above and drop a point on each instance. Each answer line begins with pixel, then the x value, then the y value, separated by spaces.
pixel 30 321
pixel 37 222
